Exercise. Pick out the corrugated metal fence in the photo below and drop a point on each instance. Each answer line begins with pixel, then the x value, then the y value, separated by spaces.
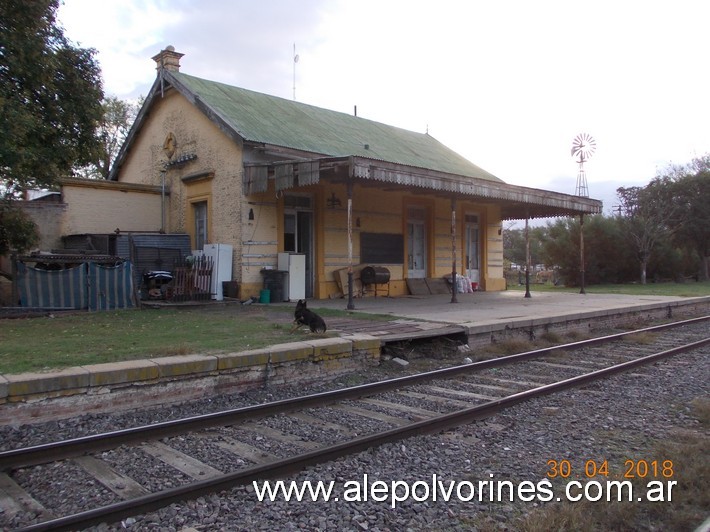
pixel 89 285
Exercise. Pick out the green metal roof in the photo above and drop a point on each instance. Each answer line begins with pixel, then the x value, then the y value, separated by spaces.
pixel 277 121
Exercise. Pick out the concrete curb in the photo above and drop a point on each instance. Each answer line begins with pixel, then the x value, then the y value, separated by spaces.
pixel 584 321
pixel 34 397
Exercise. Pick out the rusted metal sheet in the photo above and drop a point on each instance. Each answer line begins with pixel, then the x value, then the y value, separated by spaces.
pixel 308 173
pixel 256 179
pixel 467 186
pixel 283 174
pixel 516 202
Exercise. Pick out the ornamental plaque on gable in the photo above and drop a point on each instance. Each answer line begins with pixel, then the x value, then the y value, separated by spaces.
pixel 170 145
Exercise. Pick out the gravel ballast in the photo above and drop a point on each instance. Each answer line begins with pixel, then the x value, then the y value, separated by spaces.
pixel 617 419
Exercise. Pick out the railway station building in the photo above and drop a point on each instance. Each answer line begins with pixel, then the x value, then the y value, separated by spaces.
pixel 268 176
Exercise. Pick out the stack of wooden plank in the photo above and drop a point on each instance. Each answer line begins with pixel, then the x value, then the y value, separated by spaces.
pixel 341 279
pixel 428 286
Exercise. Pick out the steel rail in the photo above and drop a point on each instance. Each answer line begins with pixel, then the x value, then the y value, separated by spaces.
pixel 50 452
pixel 155 501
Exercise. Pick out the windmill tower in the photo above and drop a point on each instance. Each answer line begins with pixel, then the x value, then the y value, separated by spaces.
pixel 583 147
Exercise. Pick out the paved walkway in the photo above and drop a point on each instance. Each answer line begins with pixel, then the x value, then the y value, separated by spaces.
pixel 435 315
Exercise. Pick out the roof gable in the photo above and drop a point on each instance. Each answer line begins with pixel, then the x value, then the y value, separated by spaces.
pixel 271 120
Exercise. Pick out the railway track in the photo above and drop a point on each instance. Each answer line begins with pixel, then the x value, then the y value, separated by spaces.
pixel 134 471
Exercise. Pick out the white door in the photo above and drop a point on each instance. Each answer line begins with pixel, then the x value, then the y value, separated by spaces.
pixel 297 277
pixel 298 234
pixel 416 243
pixel 473 248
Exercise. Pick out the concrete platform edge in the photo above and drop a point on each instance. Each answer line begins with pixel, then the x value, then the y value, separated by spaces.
pixel 35 397
pixel 587 319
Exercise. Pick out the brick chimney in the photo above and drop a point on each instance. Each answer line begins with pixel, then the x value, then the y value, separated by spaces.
pixel 168 59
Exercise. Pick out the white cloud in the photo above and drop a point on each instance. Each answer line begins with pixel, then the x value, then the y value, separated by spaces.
pixel 124 33
pixel 506 84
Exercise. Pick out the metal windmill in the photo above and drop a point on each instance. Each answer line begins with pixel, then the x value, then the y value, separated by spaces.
pixel 583 147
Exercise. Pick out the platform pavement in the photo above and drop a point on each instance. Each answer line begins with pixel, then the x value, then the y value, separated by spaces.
pixel 508 308
pixel 39 396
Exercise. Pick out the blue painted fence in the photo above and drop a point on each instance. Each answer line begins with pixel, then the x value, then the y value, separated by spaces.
pixel 90 286
pixel 110 287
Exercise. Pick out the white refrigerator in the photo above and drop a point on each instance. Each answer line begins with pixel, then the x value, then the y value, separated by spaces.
pixel 295 265
pixel 222 267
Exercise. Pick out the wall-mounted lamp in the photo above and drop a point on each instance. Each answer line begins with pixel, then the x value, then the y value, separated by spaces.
pixel 251 214
pixel 357 221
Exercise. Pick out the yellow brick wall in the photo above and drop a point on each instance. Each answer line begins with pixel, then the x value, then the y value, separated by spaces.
pixel 49 218
pixel 494 279
pixel 103 210
pixel 260 239
pixel 384 212
pixel 219 170
pixel 214 175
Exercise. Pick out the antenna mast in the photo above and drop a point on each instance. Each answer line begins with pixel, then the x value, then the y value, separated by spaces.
pixel 295 60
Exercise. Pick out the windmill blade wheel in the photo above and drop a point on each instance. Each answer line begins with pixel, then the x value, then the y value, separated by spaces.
pixel 583 146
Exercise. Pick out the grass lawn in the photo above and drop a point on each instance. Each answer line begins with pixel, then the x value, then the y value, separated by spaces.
pixel 689 289
pixel 75 339
pixel 81 338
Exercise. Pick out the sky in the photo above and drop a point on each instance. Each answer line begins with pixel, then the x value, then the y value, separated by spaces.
pixel 507 84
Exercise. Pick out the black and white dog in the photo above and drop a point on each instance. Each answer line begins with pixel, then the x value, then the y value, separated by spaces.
pixel 303 316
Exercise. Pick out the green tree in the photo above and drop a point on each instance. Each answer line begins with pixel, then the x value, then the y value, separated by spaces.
pixel 607 259
pixel 117 118
pixel 17 230
pixel 50 101
pixel 561 248
pixel 514 245
pixel 645 213
pixel 688 188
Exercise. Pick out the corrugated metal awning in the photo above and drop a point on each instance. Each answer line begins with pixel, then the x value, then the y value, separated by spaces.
pixel 515 202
